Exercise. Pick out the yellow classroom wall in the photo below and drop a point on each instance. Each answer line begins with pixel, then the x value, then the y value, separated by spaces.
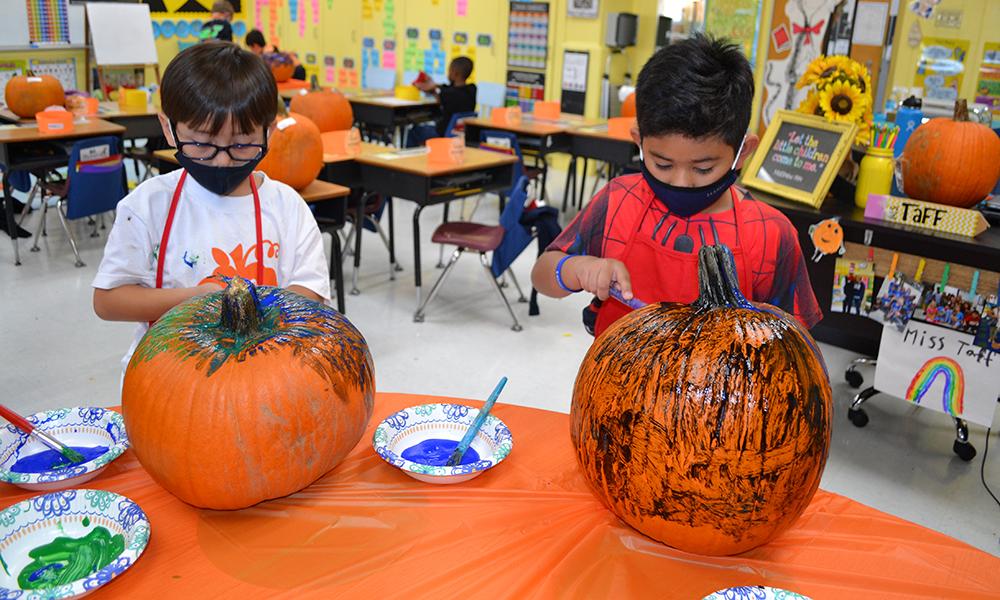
pixel 26 56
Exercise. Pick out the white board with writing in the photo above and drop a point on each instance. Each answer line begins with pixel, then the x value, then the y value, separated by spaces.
pixel 940 369
pixel 122 33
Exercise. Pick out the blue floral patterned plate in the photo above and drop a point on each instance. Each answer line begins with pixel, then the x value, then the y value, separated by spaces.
pixel 412 426
pixel 754 592
pixel 81 426
pixel 68 543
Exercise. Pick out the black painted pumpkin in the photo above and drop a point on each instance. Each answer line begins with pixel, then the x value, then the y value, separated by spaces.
pixel 704 426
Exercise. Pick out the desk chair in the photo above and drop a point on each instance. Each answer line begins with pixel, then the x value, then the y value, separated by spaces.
pixel 506 142
pixel 456 124
pixel 94 183
pixel 481 238
pixel 375 205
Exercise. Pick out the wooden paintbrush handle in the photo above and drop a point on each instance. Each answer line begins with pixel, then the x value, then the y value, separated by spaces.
pixel 16 419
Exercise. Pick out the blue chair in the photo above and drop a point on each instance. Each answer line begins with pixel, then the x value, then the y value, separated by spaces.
pixel 506 141
pixel 482 238
pixel 95 182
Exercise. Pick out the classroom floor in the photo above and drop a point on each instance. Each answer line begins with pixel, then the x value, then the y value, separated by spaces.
pixel 56 352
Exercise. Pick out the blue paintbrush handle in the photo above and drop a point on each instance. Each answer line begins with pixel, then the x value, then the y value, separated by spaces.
pixel 456 456
pixel 616 293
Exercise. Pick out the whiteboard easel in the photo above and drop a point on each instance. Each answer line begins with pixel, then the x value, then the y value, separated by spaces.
pixel 121 36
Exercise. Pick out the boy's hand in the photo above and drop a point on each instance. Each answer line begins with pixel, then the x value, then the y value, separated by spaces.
pixel 595 275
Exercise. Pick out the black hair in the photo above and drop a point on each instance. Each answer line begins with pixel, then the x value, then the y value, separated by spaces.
pixel 463 65
pixel 211 83
pixel 700 87
pixel 255 37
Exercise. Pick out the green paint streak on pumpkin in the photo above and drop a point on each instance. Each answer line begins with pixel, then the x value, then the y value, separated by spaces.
pixel 65 559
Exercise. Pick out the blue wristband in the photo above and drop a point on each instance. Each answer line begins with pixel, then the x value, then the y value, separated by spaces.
pixel 559 278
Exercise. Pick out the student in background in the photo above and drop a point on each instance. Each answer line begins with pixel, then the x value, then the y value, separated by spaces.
pixel 456 97
pixel 225 219
pixel 642 233
pixel 220 27
pixel 256 43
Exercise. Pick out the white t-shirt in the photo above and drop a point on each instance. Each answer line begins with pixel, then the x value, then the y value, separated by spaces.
pixel 212 235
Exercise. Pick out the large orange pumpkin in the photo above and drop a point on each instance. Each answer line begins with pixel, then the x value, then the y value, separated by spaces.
pixel 330 111
pixel 951 161
pixel 30 94
pixel 704 426
pixel 294 152
pixel 246 394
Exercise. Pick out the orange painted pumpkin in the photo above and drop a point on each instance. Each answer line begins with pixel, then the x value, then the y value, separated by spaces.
pixel 330 111
pixel 294 152
pixel 704 426
pixel 30 94
pixel 951 161
pixel 246 394
pixel 282 65
pixel 628 107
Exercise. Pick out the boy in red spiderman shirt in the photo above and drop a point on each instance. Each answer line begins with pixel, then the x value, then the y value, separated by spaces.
pixel 642 232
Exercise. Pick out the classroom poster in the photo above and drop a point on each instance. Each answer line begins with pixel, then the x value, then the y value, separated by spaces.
pixel 988 84
pixel 941 67
pixel 63 69
pixel 853 287
pixel 798 28
pixel 940 369
pixel 736 20
pixel 163 8
pixel 528 35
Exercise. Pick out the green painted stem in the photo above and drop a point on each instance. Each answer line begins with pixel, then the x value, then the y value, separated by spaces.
pixel 240 307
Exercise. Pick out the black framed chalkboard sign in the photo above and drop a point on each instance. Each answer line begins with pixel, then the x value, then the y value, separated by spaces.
pixel 799 156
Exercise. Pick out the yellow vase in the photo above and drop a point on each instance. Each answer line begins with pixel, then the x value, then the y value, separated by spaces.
pixel 875 175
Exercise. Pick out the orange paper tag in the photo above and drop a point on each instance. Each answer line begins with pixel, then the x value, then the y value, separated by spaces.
pixel 549 111
pixel 347 141
pixel 445 150
pixel 621 127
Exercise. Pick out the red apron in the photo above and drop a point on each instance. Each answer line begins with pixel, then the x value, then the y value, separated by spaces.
pixel 162 252
pixel 662 274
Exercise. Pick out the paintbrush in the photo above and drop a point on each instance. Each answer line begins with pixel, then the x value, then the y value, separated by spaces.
pixel 456 457
pixel 616 293
pixel 24 425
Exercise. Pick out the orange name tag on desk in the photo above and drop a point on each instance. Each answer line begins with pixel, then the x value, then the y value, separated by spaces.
pixel 446 150
pixel 549 111
pixel 621 127
pixel 506 116
pixel 346 141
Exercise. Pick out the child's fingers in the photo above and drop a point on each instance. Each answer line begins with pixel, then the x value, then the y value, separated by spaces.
pixel 621 276
pixel 603 283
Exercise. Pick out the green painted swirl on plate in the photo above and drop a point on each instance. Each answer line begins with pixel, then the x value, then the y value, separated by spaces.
pixel 66 559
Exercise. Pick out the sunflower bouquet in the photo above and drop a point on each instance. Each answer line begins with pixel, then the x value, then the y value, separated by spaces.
pixel 841 90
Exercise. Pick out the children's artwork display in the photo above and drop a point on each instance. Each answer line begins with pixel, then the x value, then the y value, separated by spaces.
pixel 736 20
pixel 796 38
pixel 940 369
pixel 941 67
pixel 988 84
pixel 897 299
pixel 853 287
pixel 528 35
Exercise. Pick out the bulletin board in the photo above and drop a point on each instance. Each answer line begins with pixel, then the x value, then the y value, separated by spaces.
pixel 528 35
pixel 63 69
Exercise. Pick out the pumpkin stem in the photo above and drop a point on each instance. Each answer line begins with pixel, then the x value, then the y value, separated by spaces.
pixel 962 110
pixel 717 280
pixel 240 307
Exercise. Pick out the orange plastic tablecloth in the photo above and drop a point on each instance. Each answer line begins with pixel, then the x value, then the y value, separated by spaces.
pixel 529 528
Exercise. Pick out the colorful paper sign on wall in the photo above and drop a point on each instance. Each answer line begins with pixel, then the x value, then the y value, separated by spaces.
pixel 940 369
pixel 988 84
pixel 735 20
pixel 926 215
pixel 484 40
pixel 461 8
pixel 941 67
pixel 9 69
pixel 170 7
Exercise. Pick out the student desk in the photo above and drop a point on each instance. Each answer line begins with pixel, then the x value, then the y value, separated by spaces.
pixel 593 142
pixel 24 148
pixel 316 192
pixel 528 528
pixel 388 113
pixel 537 137
pixel 410 176
pixel 860 334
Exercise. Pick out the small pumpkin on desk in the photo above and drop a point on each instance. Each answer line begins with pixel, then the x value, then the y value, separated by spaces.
pixel 294 151
pixel 282 65
pixel 246 394
pixel 329 110
pixel 27 95
pixel 704 426
pixel 951 161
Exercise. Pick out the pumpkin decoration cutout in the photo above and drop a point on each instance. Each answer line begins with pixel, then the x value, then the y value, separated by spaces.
pixel 704 426
pixel 27 95
pixel 827 238
pixel 294 152
pixel 281 64
pixel 951 161
pixel 330 111
pixel 246 394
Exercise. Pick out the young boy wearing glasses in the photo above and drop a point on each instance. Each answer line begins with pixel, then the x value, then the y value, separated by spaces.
pixel 176 233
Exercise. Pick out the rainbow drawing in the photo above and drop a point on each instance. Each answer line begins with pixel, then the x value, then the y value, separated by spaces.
pixel 954 383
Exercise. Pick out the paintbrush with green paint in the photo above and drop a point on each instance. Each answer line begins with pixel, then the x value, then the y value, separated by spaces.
pixel 24 425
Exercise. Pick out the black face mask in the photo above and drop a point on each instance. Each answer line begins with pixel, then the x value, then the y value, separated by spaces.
pixel 218 180
pixel 687 201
